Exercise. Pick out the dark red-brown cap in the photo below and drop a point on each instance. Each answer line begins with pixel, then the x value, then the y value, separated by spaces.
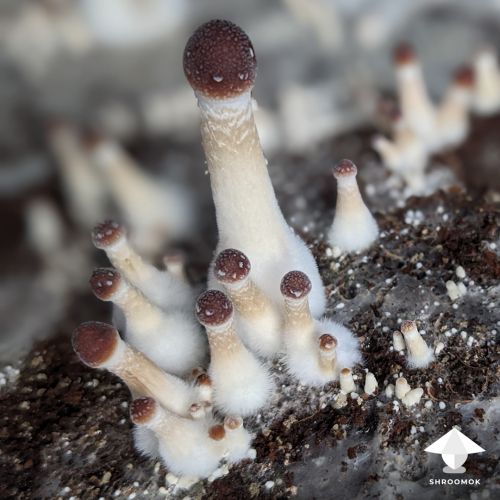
pixel 295 285
pixel 404 53
pixel 231 266
pixel 203 379
pixel 344 168
pixel 219 60
pixel 95 342
pixel 327 342
pixel 107 233
pixel 464 76
pixel 213 308
pixel 217 432
pixel 142 410
pixel 104 282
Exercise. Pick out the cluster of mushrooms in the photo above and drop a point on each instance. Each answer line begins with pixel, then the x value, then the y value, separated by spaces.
pixel 265 296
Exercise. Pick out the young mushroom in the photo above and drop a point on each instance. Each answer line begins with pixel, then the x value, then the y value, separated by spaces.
pixel 164 288
pixel 487 83
pixel 241 383
pixel 347 383
pixel 371 384
pixel 220 66
pixel 306 347
pixel 155 212
pixel 416 107
pixel 187 447
pixel 99 345
pixel 419 353
pixel 259 320
pixel 354 228
pixel 452 119
pixel 402 387
pixel 171 339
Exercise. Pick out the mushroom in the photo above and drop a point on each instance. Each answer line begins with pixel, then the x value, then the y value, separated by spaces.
pixel 419 353
pixel 241 383
pixel 354 228
pixel 259 320
pixel 487 83
pixel 371 384
pixel 347 384
pixel 220 66
pixel 402 387
pixel 171 339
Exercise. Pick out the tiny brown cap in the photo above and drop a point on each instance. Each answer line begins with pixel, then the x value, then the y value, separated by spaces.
pixel 233 423
pixel 203 379
pixel 464 77
pixel 295 285
pixel 95 342
pixel 104 282
pixel 142 410
pixel 327 342
pixel 107 233
pixel 344 168
pixel 219 60
pixel 217 432
pixel 231 266
pixel 345 371
pixel 404 54
pixel 407 326
pixel 213 308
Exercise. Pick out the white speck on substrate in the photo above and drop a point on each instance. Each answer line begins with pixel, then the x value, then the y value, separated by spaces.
pixel 428 404
pixel 460 272
pixel 341 305
pixel 442 405
pixel 269 485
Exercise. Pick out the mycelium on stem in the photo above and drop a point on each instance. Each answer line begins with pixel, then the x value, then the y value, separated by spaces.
pixel 487 83
pixel 171 339
pixel 220 65
pixel 354 228
pixel 452 119
pixel 308 349
pixel 416 107
pixel 259 320
pixel 83 189
pixel 240 381
pixel 419 353
pixel 165 288
pixel 187 447
pixel 155 212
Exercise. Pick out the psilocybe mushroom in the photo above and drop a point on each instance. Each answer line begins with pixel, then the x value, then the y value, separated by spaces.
pixel 420 354
pixel 259 319
pixel 171 339
pixel 311 355
pixel 167 289
pixel 220 65
pixel 354 228
pixel 486 100
pixel 241 383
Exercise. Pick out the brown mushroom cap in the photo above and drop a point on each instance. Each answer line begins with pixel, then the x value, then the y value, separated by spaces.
pixel 217 432
pixel 219 60
pixel 404 54
pixel 104 282
pixel 407 326
pixel 107 233
pixel 327 342
pixel 142 410
pixel 213 308
pixel 295 285
pixel 344 168
pixel 95 342
pixel 231 266
pixel 464 77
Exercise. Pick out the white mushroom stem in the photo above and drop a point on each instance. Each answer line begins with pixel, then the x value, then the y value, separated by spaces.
pixel 237 439
pixel 412 397
pixel 171 339
pixel 419 354
pixel 163 288
pixel 181 439
pixel 328 356
pixel 353 228
pixel 240 381
pixel 402 387
pixel 487 83
pixel 398 341
pixel 220 65
pixel 83 188
pixel 347 384
pixel 155 212
pixel 99 346
pixel 416 107
pixel 371 384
